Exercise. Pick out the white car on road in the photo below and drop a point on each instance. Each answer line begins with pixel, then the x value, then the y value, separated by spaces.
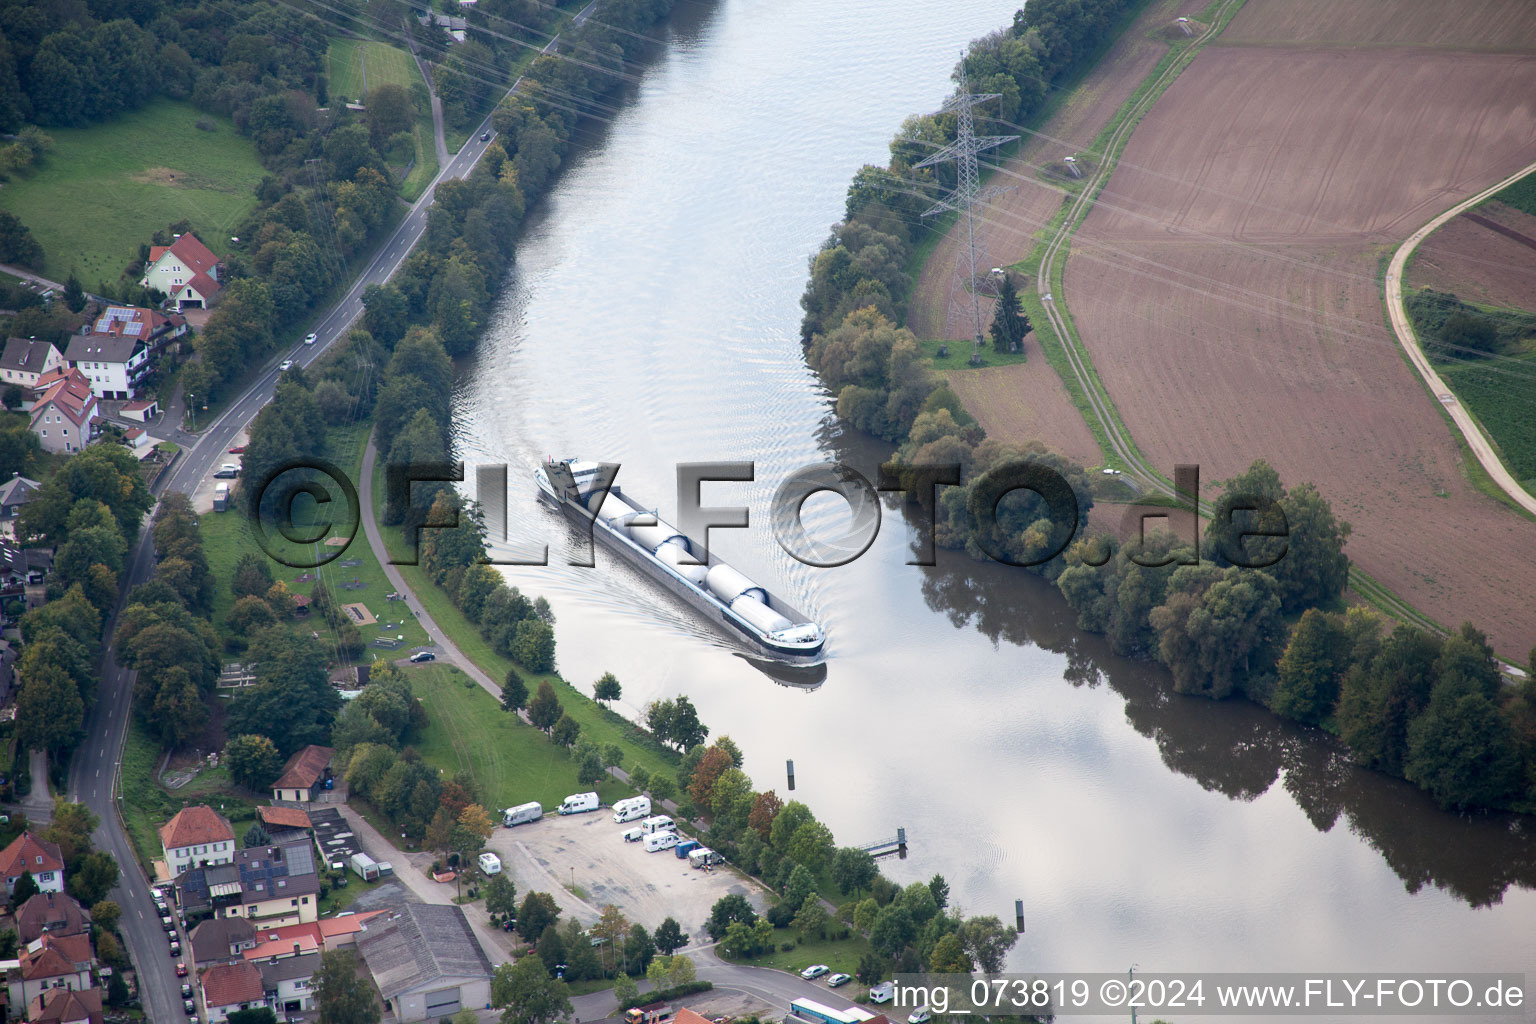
pixel 310 339
pixel 286 366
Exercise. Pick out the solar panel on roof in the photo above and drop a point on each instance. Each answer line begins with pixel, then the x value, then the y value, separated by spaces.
pixel 132 327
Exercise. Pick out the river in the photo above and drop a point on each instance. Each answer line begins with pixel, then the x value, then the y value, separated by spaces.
pixel 653 319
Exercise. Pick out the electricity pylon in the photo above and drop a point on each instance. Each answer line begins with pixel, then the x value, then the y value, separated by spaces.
pixel 968 191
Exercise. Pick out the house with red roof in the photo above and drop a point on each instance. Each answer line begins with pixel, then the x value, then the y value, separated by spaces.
pixel 196 837
pixel 229 988
pixel 186 271
pixel 63 961
pixel 66 414
pixel 42 858
pixel 119 348
pixel 66 1006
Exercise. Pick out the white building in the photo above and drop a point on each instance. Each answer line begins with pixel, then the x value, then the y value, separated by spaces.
pixel 26 359
pixel 118 349
pixel 196 837
pixel 186 271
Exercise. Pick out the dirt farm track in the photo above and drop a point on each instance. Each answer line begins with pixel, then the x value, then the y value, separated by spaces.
pixel 1226 282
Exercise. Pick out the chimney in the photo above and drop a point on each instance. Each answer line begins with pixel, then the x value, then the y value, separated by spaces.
pixel 295 949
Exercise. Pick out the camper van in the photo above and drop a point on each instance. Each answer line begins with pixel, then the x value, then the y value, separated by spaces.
pixel 629 810
pixel 522 814
pixel 490 864
pixel 684 847
pixel 703 856
pixel 656 824
pixel 660 841
pixel 365 866
pixel 576 803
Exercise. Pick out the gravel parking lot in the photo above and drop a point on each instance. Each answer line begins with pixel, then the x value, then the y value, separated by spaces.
pixel 549 854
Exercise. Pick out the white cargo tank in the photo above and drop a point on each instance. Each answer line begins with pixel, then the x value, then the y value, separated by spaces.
pixel 759 614
pixel 653 537
pixel 672 555
pixel 727 584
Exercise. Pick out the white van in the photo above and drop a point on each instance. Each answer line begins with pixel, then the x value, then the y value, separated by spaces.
pixel 656 824
pixel 490 864
pixel 522 814
pixel 660 841
pixel 629 810
pixel 576 803
pixel 703 857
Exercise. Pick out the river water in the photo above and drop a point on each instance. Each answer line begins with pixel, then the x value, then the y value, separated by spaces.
pixel 653 319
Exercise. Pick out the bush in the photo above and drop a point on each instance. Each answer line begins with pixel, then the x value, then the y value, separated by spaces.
pixel 643 998
pixel 205 125
pixel 786 947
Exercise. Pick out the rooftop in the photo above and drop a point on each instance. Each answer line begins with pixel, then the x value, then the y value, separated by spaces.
pixel 195 826
pixel 304 768
pixel 419 945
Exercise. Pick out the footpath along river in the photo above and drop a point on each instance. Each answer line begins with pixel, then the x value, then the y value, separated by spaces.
pixel 653 319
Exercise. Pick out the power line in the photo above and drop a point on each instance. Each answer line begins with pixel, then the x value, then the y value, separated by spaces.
pixel 968 191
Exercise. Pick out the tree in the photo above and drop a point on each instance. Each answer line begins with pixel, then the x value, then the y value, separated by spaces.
pixel 940 889
pixel 1462 751
pixel 611 928
pixel 669 937
pixel 340 995
pixel 658 719
pixel 533 646
pixel 74 295
pixel 853 870
pixel 701 787
pixel 389 110
pixel 893 930
pixel 949 957
pixel 607 689
pixel 918 899
pixel 253 577
pixel 71 828
pixel 545 710
pixel 501 895
pixel 872 968
pixel 1009 324
pixel 639 949
pixel 671 971
pixel 439 831
pixel 514 693
pixel 105 914
pixel 538 911
pixel 864 914
pixel 812 918
pixel 764 809
pixel 591 771
pixel 24 889
pixel 987 941
pixel 566 731
pixel 50 715
pixel 91 877
pixel 811 846
pixel 252 760
pixel 528 994
pixel 686 729
pixel 625 989
pixel 255 836
pixel 1308 673
pixel 727 909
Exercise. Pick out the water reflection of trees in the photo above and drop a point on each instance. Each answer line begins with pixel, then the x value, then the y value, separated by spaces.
pixel 1239 749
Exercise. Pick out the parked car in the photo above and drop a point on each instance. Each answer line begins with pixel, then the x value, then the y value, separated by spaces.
pixel 310 339
pixel 175 948
pixel 509 924
pixel 920 1016
pixel 814 971
pixel 169 922
pixel 188 1005
pixel 238 449
pixel 839 979
pixel 423 656
pixel 287 365
pixel 634 835
pixel 181 970
pixel 186 991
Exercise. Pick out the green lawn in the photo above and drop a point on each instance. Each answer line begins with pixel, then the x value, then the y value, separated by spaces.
pixel 597 723
pixel 227 536
pixel 959 357
pixel 146 804
pixel 1501 393
pixel 352 62
pixel 842 957
pixel 511 761
pixel 106 189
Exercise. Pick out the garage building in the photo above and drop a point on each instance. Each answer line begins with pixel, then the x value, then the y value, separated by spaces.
pixel 426 962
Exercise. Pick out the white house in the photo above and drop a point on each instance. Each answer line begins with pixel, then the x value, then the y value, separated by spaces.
pixel 187 272
pixel 63 961
pixel 26 359
pixel 118 349
pixel 27 853
pixel 227 988
pixel 196 837
pixel 65 415
pixel 287 984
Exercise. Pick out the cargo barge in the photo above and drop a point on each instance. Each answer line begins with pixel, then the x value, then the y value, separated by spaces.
pixel 728 599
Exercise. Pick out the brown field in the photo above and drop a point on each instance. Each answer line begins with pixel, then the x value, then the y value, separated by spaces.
pixel 1026 401
pixel 1478 264
pixel 1226 288
pixel 1034 399
pixel 1503 25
